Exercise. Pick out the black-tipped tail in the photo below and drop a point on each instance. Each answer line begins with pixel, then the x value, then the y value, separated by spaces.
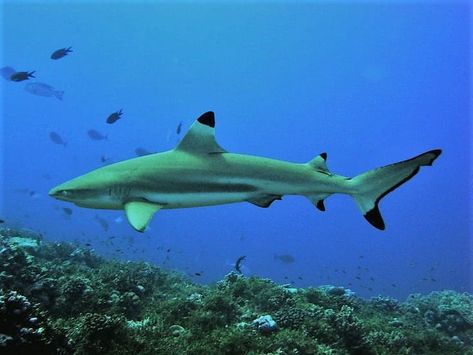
pixel 373 185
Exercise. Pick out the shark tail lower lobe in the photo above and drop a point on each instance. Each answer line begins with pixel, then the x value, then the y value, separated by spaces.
pixel 373 185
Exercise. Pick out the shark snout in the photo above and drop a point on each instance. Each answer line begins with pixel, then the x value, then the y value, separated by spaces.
pixel 60 193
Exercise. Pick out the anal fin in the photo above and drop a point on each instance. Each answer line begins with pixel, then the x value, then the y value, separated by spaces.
pixel 318 200
pixel 320 205
pixel 139 213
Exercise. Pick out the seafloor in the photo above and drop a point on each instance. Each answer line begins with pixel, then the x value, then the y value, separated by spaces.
pixel 58 298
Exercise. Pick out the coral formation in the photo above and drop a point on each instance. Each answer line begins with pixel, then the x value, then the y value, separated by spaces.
pixel 58 298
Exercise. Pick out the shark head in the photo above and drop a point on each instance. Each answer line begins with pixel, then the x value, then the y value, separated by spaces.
pixel 93 190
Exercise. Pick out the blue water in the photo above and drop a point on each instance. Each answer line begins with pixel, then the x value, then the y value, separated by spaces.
pixel 370 84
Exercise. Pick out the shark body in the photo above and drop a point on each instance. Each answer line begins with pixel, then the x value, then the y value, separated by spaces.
pixel 199 172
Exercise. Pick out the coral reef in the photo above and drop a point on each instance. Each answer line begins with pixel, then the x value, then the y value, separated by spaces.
pixel 58 298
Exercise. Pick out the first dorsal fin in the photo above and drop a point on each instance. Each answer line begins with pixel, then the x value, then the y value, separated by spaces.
pixel 201 136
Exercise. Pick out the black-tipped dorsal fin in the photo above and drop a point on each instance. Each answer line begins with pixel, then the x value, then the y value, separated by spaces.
pixel 319 163
pixel 201 136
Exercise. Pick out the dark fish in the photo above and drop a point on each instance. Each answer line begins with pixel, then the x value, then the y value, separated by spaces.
pixel 179 128
pixel 41 89
pixel 197 274
pixel 102 222
pixel 88 244
pixel 104 158
pixel 61 53
pixel 238 263
pixel 95 135
pixel 7 72
pixel 141 152
pixel 2 221
pixel 300 278
pixel 67 210
pixel 114 116
pixel 22 75
pixel 56 138
pixel 285 258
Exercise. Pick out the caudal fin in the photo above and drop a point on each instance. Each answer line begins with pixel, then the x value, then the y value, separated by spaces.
pixel 373 185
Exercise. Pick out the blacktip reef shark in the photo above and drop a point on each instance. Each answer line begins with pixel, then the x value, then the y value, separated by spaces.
pixel 199 172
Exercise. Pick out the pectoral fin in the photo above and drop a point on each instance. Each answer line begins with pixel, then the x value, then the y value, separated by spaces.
pixel 139 213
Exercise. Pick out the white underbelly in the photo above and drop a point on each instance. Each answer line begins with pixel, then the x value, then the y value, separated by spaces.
pixel 195 199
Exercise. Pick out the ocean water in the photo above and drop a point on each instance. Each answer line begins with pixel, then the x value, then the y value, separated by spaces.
pixel 371 84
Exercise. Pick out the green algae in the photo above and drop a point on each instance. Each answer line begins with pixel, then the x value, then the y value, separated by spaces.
pixel 81 303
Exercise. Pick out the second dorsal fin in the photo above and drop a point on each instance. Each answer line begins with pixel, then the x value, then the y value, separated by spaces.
pixel 319 163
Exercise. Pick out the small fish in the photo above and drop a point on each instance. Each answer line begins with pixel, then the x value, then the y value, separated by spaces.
pixel 285 258
pixel 102 222
pixel 104 158
pixel 88 244
pixel 58 54
pixel 179 128
pixel 45 90
pixel 238 263
pixel 114 117
pixel 393 285
pixel 7 72
pixel 300 278
pixel 95 135
pixel 197 274
pixel 2 221
pixel 358 277
pixel 142 152
pixel 22 75
pixel 34 194
pixel 67 211
pixel 56 138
